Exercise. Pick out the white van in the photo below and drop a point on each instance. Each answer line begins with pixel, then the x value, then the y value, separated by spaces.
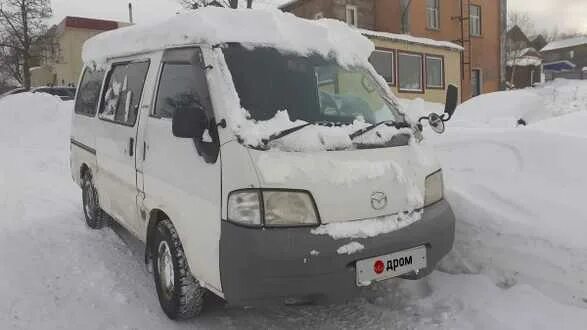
pixel 262 163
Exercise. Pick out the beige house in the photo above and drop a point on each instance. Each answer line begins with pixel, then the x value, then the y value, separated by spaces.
pixel 61 61
pixel 416 67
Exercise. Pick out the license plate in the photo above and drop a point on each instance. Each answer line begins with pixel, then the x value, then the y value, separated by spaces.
pixel 390 265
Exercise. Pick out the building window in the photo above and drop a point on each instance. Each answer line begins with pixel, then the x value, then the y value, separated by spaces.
pixel 434 72
pixel 476 82
pixel 410 72
pixel 432 14
pixel 318 15
pixel 475 20
pixel 351 15
pixel 383 62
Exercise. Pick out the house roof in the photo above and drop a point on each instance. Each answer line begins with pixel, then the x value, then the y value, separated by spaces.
pixel 89 23
pixel 566 43
pixel 411 39
pixel 517 35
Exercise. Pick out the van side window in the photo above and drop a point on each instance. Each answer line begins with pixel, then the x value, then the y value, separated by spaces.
pixel 122 96
pixel 89 92
pixel 180 86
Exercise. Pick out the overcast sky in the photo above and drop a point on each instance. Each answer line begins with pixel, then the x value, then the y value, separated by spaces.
pixel 547 14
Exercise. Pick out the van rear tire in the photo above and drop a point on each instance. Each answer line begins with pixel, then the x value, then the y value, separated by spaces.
pixel 180 294
pixel 95 217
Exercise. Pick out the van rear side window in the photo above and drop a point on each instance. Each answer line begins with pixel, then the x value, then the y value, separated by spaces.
pixel 89 92
pixel 123 91
pixel 178 87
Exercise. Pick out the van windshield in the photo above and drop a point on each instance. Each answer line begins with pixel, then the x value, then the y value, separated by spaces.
pixel 311 89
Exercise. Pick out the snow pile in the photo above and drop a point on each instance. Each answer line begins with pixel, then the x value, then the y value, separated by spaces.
pixel 504 109
pixel 57 274
pixel 368 227
pixel 518 192
pixel 350 248
pixel 563 96
pixel 256 27
pixel 500 109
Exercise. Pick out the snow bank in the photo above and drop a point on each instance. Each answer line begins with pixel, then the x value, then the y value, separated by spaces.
pixel 253 27
pixel 504 109
pixel 500 109
pixel 71 277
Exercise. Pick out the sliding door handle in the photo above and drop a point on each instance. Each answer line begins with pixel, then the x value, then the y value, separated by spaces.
pixel 131 147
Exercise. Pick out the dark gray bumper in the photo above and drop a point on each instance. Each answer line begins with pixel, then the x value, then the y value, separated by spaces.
pixel 259 266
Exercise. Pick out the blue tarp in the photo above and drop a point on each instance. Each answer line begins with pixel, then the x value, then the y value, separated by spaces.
pixel 559 66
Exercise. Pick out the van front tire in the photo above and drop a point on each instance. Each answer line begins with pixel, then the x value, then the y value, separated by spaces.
pixel 180 294
pixel 93 213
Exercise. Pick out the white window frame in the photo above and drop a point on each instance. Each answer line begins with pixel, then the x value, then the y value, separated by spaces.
pixel 475 20
pixel 422 83
pixel 319 15
pixel 351 11
pixel 393 73
pixel 434 14
pixel 442 78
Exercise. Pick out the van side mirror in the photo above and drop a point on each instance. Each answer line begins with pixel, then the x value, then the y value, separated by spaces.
pixel 452 95
pixel 189 123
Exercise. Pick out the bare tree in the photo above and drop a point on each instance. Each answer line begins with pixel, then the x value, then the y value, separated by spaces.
pixel 522 20
pixel 22 23
pixel 520 25
pixel 195 4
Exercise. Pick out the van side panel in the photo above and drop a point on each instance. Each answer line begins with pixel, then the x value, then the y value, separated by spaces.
pixel 178 181
pixel 83 141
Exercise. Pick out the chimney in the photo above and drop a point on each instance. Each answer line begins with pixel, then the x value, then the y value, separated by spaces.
pixel 130 20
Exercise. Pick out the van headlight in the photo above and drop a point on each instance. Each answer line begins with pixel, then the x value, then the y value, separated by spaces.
pixel 434 188
pixel 272 208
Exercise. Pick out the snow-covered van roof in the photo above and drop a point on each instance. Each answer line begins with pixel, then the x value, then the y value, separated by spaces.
pixel 252 27
pixel 559 44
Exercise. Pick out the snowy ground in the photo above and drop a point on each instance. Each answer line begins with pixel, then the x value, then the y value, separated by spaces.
pixel 520 260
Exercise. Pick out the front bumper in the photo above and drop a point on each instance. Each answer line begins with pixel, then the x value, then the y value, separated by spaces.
pixel 258 266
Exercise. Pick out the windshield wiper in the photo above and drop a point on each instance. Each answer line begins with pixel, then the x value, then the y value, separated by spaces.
pixel 364 130
pixel 280 134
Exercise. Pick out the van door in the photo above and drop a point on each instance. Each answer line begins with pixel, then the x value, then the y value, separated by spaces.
pixel 116 141
pixel 176 178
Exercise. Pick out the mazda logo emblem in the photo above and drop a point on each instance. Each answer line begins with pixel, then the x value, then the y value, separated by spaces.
pixel 378 200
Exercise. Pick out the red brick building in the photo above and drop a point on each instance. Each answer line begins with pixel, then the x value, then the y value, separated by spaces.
pixel 477 25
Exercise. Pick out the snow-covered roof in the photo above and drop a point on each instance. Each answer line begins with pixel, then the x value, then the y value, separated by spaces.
pixel 572 42
pixel 253 27
pixel 525 61
pixel 411 39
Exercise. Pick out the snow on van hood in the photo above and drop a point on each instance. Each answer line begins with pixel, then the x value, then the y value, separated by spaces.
pixel 343 183
pixel 254 27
